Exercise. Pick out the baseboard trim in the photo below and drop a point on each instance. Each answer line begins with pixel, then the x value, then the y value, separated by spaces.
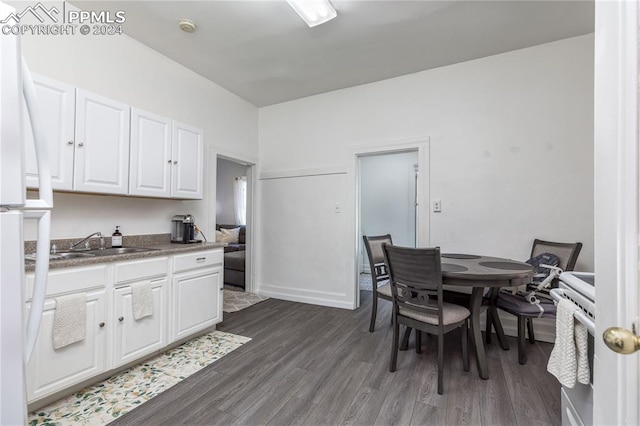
pixel 313 298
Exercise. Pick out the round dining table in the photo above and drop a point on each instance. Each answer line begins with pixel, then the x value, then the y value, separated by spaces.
pixel 480 273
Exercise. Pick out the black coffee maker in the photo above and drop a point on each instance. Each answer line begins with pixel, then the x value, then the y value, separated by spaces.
pixel 183 229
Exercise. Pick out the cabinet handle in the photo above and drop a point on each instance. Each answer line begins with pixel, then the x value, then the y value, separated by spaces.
pixel 81 144
pixel 169 161
pixel 200 259
pixel 69 142
pixel 121 319
pixel 101 324
pixel 175 162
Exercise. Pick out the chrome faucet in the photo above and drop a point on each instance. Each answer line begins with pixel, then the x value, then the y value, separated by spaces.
pixel 73 246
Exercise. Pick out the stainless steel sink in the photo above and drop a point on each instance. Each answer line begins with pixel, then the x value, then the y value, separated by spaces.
pixel 59 256
pixel 120 250
pixel 92 253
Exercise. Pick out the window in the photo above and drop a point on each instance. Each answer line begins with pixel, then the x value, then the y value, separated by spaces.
pixel 240 199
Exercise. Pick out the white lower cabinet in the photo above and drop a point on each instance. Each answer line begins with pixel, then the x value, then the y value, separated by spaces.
pixel 196 292
pixel 114 338
pixel 136 338
pixel 52 370
pixel 196 295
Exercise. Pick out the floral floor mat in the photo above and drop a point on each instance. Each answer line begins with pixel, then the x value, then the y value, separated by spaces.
pixel 105 401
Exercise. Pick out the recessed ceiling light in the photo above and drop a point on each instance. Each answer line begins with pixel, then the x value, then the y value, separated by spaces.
pixel 187 25
pixel 313 12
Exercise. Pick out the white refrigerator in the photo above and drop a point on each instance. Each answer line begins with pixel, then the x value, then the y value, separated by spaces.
pixel 17 332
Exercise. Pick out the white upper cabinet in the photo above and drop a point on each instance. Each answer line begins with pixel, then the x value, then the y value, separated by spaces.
pixel 150 162
pixel 56 102
pixel 187 162
pixel 102 145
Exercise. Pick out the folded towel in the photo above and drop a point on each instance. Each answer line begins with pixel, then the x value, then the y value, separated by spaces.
pixel 142 300
pixel 69 320
pixel 563 361
pixel 582 336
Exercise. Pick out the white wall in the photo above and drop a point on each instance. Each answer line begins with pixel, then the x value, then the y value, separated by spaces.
pixel 511 158
pixel 123 69
pixel 225 204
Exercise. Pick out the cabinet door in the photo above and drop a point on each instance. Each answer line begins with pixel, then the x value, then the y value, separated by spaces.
pixel 102 145
pixel 136 338
pixel 51 370
pixel 150 165
pixel 188 162
pixel 196 301
pixel 56 105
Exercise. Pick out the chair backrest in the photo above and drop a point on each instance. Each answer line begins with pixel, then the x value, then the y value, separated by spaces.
pixel 416 278
pixel 566 252
pixel 373 245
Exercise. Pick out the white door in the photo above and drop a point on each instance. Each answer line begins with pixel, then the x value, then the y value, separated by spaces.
pixel 188 162
pixel 150 168
pixel 51 370
pixel 616 377
pixel 136 338
pixel 388 197
pixel 196 301
pixel 57 116
pixel 102 144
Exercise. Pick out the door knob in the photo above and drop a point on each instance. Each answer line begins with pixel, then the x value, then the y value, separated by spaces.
pixel 621 340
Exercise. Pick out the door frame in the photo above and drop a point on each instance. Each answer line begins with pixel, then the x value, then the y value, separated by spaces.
pixel 616 377
pixel 423 218
pixel 251 212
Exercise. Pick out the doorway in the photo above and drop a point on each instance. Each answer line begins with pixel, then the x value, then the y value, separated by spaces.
pixel 233 221
pixel 388 202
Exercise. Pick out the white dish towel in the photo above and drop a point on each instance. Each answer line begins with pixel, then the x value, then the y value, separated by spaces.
pixel 69 320
pixel 568 360
pixel 142 300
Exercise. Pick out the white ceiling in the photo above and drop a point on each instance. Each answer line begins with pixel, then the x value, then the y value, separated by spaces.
pixel 263 52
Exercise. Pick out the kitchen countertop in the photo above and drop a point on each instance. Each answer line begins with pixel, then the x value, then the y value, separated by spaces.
pixel 160 249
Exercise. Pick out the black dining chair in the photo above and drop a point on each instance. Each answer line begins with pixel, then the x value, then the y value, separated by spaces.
pixel 417 296
pixel 515 304
pixel 379 274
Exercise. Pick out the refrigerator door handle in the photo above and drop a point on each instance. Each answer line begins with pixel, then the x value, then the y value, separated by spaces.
pixel 38 209
pixel 40 280
pixel 39 138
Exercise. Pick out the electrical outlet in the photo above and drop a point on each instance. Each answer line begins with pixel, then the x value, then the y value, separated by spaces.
pixel 437 206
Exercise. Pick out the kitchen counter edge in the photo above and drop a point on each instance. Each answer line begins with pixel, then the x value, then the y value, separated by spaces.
pixel 167 249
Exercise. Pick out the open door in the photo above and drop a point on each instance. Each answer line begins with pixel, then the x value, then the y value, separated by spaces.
pixel 234 207
pixel 616 376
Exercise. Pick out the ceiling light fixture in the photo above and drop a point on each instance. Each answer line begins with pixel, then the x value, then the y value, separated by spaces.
pixel 313 12
pixel 187 25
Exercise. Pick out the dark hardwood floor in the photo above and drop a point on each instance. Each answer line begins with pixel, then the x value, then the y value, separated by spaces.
pixel 314 365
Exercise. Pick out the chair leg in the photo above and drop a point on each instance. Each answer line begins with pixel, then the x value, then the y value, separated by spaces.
pixel 532 337
pixel 374 311
pixel 465 346
pixel 487 333
pixel 440 363
pixel 394 347
pixel 405 339
pixel 418 341
pixel 522 356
